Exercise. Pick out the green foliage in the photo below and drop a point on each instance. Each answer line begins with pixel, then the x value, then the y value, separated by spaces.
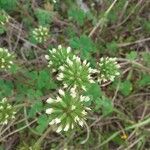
pixel 44 17
pixel 6 88
pixel 36 107
pixel 8 5
pixel 84 44
pixel 69 88
pixel 43 122
pixel 77 15
pixel 146 26
pixel 42 80
pixel 126 87
pixel 112 47
pixel 145 80
pixel 146 58
pixel 105 105
pixel 2 30
pixel 94 92
pixel 132 55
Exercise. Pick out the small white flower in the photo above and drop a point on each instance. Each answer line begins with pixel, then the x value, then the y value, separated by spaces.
pixel 53 50
pixel 68 49
pixel 67 127
pixel 50 100
pixel 52 122
pixel 49 110
pixel 78 59
pixel 73 107
pixel 62 68
pixel 84 88
pixel 81 123
pixel 69 62
pixel 47 57
pixel 3 60
pixel 84 62
pixel 76 118
pixel 58 99
pixel 60 76
pixel 59 47
pixel 65 85
pixel 57 120
pixel 84 112
pixel 10 62
pixel 61 92
pixel 59 129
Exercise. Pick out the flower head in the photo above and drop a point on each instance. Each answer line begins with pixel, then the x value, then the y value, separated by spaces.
pixel 40 34
pixel 57 57
pixel 108 69
pixel 75 73
pixel 4 18
pixel 6 59
pixel 6 111
pixel 67 111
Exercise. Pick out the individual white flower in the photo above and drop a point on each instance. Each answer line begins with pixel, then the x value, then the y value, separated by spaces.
pixel 49 110
pixel 59 129
pixel 50 100
pixel 61 92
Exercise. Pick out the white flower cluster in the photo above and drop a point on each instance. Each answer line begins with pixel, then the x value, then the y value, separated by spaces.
pixel 40 34
pixel 6 111
pixel 57 57
pixel 75 73
pixel 4 18
pixel 67 110
pixel 108 69
pixel 6 59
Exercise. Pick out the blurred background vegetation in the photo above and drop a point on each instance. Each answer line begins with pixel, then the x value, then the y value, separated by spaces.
pixel 92 28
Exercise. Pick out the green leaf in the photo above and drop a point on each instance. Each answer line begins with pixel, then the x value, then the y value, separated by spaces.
pixel 105 104
pixel 126 87
pixel 146 25
pixel 44 17
pixel 84 43
pixel 8 5
pixel 77 15
pixel 6 88
pixel 132 55
pixel 2 30
pixel 112 46
pixel 146 58
pixel 34 94
pixel 145 80
pixel 42 123
pixel 37 107
pixel 94 91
